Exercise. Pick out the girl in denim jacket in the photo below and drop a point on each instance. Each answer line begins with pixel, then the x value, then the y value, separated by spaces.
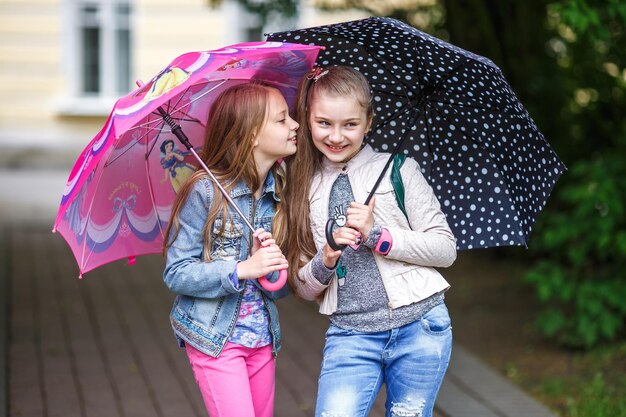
pixel 385 299
pixel 226 321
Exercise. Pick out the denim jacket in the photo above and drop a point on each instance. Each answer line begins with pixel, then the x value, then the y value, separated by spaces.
pixel 207 304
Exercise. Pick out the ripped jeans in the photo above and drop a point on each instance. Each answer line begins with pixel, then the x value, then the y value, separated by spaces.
pixel 411 360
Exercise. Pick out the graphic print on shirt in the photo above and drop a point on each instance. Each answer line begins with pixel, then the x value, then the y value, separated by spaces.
pixel 340 219
pixel 341 273
pixel 339 216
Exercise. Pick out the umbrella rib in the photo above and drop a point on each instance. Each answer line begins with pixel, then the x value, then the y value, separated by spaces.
pixel 495 161
pixel 180 97
pixel 406 107
pixel 428 141
pixel 437 87
pixel 485 109
pixel 151 147
pixel 119 155
pixel 159 121
pixel 84 257
pixel 470 106
pixel 151 188
pixel 379 61
pixel 451 123
pixel 175 110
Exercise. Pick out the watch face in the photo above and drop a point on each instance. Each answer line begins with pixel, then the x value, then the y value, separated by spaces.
pixel 384 247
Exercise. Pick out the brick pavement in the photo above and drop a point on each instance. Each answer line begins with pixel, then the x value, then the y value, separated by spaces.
pixel 102 346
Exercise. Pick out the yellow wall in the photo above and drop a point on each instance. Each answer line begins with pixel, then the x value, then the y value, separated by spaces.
pixel 165 29
pixel 31 72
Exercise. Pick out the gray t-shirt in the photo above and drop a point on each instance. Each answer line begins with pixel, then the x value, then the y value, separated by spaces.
pixel 362 302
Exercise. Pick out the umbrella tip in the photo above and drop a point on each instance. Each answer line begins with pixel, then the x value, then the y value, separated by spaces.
pixel 139 83
pixel 132 260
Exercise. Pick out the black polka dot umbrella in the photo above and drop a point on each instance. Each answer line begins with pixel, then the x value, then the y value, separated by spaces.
pixel 454 112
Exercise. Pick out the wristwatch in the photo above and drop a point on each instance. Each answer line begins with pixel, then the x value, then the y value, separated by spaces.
pixel 383 246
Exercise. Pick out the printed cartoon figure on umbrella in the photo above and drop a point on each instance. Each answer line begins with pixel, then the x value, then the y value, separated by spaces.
pixel 176 169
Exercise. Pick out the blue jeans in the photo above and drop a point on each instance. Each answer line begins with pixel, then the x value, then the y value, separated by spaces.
pixel 410 360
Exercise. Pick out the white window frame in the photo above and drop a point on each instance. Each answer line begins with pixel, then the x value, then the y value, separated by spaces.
pixel 76 101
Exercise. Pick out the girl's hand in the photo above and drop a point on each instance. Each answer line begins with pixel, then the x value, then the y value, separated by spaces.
pixel 264 261
pixel 361 217
pixel 342 236
pixel 261 238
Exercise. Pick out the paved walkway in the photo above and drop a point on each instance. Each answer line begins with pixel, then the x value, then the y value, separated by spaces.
pixel 102 346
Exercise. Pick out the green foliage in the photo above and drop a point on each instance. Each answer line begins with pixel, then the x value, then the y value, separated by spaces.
pixel 580 274
pixel 597 399
pixel 589 46
pixel 592 397
pixel 593 386
pixel 597 20
pixel 580 240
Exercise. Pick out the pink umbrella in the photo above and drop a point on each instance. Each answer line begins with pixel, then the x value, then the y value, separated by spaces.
pixel 119 195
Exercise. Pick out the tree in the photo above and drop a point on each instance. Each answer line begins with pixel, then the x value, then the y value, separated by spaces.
pixel 423 14
pixel 581 245
pixel 266 9
pixel 566 60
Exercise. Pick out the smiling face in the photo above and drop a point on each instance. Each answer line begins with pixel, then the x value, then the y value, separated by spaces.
pixel 338 125
pixel 277 137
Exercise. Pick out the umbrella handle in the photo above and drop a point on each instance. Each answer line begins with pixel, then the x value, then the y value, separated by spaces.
pixel 331 222
pixel 329 236
pixel 276 285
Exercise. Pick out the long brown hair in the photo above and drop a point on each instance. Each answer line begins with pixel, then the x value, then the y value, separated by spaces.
pixel 338 81
pixel 235 116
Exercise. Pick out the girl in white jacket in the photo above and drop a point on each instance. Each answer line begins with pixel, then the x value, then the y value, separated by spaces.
pixel 383 295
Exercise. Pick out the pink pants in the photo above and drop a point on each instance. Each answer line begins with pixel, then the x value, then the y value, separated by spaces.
pixel 238 383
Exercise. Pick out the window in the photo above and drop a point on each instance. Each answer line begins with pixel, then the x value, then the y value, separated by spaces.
pixel 104 54
pixel 98 51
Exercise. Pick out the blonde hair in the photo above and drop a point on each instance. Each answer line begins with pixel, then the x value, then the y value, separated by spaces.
pixel 235 116
pixel 335 81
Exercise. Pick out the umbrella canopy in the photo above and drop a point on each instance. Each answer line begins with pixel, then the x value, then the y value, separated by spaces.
pixel 118 197
pixel 486 160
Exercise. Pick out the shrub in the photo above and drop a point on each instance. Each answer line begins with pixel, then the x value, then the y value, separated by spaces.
pixel 580 274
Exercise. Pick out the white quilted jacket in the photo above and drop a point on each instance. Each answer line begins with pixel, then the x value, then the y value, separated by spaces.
pixel 408 270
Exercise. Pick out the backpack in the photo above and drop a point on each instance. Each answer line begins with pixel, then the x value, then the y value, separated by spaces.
pixel 396 181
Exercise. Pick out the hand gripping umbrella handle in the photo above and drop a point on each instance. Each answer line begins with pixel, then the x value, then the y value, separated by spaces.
pixel 276 285
pixel 331 222
pixel 178 132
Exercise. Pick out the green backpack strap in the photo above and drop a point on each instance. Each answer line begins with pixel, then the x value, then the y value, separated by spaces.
pixel 396 181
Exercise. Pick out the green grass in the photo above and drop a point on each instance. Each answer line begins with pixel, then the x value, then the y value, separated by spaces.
pixel 595 387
